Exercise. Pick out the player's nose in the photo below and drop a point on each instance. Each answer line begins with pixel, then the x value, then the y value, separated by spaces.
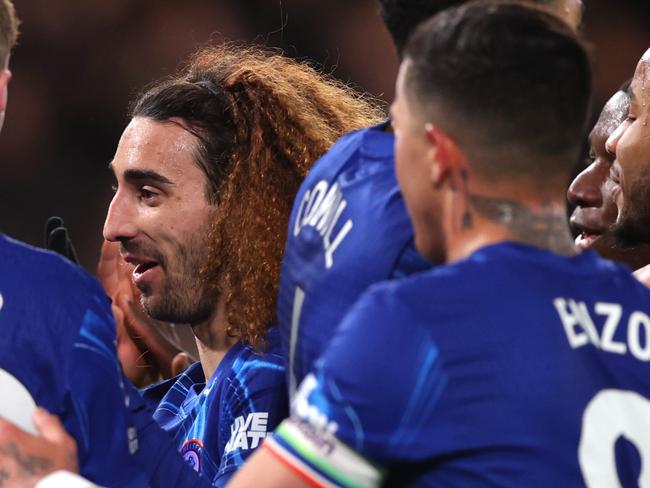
pixel 585 190
pixel 120 224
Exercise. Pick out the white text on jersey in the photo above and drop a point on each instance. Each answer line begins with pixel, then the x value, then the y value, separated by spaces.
pixel 303 409
pixel 321 207
pixel 581 330
pixel 247 434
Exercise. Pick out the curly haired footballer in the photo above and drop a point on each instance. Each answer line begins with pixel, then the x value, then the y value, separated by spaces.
pixel 262 120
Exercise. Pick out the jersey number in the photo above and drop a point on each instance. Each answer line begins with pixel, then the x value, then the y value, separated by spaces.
pixel 608 416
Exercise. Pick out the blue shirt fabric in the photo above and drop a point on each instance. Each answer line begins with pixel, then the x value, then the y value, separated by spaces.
pixel 217 425
pixel 58 340
pixel 513 367
pixel 348 229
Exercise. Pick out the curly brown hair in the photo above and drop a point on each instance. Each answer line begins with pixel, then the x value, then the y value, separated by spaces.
pixel 8 30
pixel 262 120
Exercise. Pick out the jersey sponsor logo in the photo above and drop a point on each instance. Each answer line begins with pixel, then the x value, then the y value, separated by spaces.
pixel 247 433
pixel 308 412
pixel 191 452
pixel 321 207
pixel 581 330
pixel 2 301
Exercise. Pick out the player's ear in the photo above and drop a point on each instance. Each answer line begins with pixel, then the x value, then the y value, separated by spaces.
pixel 444 156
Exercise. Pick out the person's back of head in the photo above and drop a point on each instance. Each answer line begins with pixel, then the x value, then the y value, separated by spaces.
pixel 401 17
pixel 491 106
pixel 511 85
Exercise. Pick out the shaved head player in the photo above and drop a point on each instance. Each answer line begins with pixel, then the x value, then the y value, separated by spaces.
pixel 502 368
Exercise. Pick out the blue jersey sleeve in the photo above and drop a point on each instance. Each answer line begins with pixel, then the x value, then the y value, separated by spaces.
pixel 97 401
pixel 257 404
pixel 368 401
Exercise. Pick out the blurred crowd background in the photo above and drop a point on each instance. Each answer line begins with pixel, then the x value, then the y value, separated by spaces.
pixel 80 62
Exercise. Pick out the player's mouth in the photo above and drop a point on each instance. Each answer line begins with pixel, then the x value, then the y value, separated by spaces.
pixel 587 229
pixel 144 270
pixel 586 240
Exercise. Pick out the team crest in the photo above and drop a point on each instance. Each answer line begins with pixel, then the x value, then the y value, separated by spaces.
pixel 191 452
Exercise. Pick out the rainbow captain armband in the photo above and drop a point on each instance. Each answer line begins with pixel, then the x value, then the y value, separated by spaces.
pixel 320 458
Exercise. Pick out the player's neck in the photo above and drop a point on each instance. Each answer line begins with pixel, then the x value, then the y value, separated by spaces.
pixel 212 339
pixel 490 219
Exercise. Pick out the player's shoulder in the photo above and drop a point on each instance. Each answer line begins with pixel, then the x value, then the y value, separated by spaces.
pixel 251 368
pixel 375 140
pixel 510 267
pixel 438 284
pixel 368 144
pixel 43 270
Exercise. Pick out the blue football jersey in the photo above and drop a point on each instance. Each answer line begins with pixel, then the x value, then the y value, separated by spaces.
pixel 513 367
pixel 58 340
pixel 348 229
pixel 217 425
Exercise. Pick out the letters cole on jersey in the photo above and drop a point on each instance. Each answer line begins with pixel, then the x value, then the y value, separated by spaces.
pixel 348 230
pixel 217 425
pixel 513 367
pixel 58 340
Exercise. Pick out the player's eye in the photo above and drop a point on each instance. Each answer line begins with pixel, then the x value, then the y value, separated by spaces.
pixel 147 194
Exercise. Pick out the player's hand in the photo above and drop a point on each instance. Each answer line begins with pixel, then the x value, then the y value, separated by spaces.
pixel 26 458
pixel 57 239
pixel 146 356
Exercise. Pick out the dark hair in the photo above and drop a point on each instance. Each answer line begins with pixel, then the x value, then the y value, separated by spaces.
pixel 8 29
pixel 262 120
pixel 206 115
pixel 402 17
pixel 625 87
pixel 510 84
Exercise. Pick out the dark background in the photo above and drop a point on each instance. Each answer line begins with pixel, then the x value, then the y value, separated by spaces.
pixel 80 62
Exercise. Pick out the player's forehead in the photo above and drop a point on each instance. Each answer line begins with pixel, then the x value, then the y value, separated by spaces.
pixel 148 145
pixel 613 113
pixel 640 89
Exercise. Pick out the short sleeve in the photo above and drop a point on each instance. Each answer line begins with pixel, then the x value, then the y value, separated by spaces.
pixel 370 397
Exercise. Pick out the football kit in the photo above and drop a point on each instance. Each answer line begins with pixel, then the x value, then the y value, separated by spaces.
pixel 348 229
pixel 58 341
pixel 512 367
pixel 217 425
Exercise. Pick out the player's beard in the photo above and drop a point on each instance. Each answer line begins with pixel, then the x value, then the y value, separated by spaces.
pixel 633 226
pixel 185 298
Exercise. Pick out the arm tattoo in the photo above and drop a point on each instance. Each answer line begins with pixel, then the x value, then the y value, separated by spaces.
pixel 545 228
pixel 29 464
